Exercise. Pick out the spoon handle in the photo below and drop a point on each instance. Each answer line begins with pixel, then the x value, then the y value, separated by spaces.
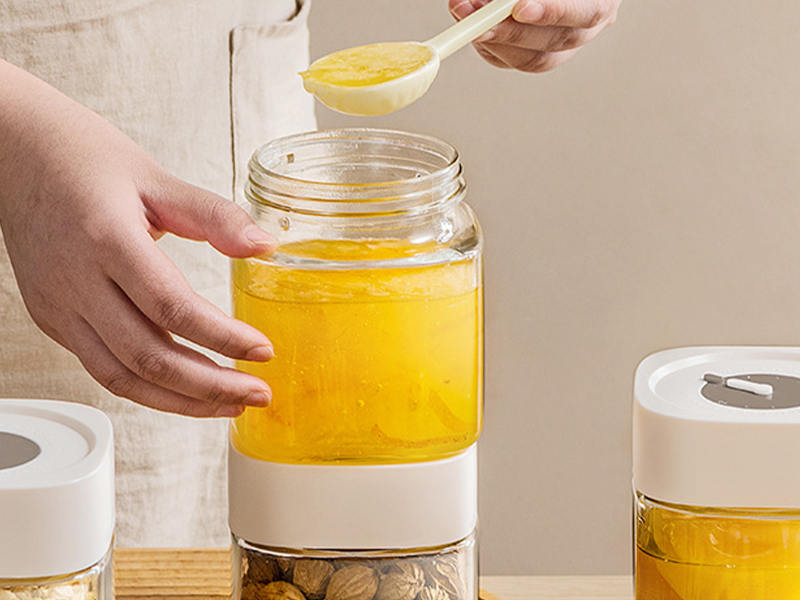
pixel 467 29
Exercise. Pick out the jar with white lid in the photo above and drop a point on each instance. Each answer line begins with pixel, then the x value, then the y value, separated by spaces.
pixel 56 501
pixel 716 474
pixel 359 481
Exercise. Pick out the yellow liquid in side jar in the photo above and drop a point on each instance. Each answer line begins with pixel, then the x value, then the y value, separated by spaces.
pixel 682 556
pixel 372 365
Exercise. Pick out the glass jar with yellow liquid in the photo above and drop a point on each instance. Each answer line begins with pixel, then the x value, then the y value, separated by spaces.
pixel 711 553
pixel 716 466
pixel 373 301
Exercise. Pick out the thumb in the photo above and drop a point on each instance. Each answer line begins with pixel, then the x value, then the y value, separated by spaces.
pixel 197 214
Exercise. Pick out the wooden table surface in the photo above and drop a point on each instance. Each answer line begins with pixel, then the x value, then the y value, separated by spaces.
pixel 205 574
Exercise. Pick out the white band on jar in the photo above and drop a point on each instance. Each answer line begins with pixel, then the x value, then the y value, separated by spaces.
pixel 342 507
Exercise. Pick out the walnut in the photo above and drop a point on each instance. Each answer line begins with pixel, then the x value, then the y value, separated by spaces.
pixel 250 591
pixel 280 590
pixel 373 563
pixel 402 581
pixel 445 573
pixel 355 582
pixel 411 570
pixel 312 577
pixel 262 569
pixel 286 565
pixel 433 593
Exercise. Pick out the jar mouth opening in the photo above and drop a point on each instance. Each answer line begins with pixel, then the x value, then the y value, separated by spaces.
pixel 354 171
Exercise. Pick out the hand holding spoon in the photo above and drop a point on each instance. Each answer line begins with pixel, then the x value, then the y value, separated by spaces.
pixel 381 78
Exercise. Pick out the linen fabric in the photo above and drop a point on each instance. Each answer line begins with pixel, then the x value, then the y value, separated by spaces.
pixel 199 85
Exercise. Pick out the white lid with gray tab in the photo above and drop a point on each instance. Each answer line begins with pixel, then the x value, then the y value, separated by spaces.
pixel 719 427
pixel 56 488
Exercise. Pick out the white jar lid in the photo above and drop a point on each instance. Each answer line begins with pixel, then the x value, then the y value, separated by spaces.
pixel 719 427
pixel 56 488
pixel 343 507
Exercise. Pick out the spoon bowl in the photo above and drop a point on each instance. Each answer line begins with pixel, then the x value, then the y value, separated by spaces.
pixel 377 98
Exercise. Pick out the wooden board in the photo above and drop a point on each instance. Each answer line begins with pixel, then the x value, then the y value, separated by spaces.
pixel 205 574
pixel 173 573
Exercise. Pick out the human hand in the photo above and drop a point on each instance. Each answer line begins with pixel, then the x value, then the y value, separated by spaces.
pixel 539 35
pixel 81 206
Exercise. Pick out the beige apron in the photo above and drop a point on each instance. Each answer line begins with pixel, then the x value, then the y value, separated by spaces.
pixel 199 84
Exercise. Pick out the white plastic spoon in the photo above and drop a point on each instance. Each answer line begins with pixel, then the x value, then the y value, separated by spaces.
pixel 414 77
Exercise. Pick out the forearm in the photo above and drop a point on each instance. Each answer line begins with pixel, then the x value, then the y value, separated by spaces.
pixel 38 125
pixel 29 112
pixel 22 93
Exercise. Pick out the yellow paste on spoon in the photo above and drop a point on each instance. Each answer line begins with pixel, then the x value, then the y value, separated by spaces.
pixel 368 65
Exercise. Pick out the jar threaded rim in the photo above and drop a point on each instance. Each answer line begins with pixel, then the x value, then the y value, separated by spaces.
pixel 355 172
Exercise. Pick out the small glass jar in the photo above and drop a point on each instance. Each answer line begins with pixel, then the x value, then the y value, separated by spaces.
pixel 439 573
pixel 716 466
pixel 703 553
pixel 94 583
pixel 373 301
pixel 56 501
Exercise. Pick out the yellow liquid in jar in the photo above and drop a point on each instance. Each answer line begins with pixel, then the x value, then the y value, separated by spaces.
pixel 368 65
pixel 372 365
pixel 682 556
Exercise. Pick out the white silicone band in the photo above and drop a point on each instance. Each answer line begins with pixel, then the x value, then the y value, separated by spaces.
pixel 339 507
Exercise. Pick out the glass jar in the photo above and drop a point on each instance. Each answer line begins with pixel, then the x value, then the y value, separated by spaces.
pixel 705 553
pixel 716 465
pixel 373 301
pixel 438 573
pixel 56 501
pixel 94 583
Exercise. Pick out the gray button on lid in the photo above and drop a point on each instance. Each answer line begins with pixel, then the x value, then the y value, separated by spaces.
pixel 755 390
pixel 16 450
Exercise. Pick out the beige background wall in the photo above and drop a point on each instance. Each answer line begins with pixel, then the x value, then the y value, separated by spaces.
pixel 643 196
